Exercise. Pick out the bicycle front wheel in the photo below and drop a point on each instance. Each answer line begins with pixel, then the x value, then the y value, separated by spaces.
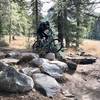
pixel 55 46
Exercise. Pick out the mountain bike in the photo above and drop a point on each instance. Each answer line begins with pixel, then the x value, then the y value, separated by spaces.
pixel 47 45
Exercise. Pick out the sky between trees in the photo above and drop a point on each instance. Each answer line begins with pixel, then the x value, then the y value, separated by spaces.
pixel 47 4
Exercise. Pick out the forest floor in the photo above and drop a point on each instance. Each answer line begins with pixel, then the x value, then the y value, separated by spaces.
pixel 84 84
pixel 89 46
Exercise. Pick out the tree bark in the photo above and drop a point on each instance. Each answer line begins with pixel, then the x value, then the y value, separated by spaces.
pixel 66 28
pixel 78 23
pixel 36 5
pixel 60 26
pixel 10 24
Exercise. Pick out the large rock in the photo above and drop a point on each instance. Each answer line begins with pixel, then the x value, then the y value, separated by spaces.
pixel 29 70
pixel 60 64
pixel 71 65
pixel 38 62
pixel 13 81
pixel 27 57
pixel 46 84
pixel 52 70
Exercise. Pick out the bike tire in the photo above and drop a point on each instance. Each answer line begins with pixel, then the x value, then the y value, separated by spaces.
pixel 35 46
pixel 56 49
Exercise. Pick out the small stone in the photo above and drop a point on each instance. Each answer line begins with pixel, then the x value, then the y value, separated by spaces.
pixel 50 56
pixel 30 71
pixel 13 54
pixel 9 60
pixel 67 94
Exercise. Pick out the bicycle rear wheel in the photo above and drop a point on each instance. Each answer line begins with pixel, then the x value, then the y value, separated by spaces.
pixel 36 46
pixel 55 46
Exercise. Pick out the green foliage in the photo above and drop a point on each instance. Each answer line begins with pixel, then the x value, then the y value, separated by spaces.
pixel 75 23
pixel 18 17
pixel 95 33
pixel 0 26
pixel 4 16
pixel 19 20
pixel 14 18
pixel 36 11
pixel 68 17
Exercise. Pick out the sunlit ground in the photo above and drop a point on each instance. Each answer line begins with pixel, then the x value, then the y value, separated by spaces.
pixel 20 42
pixel 90 46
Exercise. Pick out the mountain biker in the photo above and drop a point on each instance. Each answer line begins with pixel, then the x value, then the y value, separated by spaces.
pixel 45 40
pixel 44 30
pixel 50 32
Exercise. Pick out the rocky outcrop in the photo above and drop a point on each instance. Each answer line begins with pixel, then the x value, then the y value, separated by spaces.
pixel 37 62
pixel 13 81
pixel 62 65
pixel 46 84
pixel 52 70
pixel 27 57
pixel 82 59
pixel 9 60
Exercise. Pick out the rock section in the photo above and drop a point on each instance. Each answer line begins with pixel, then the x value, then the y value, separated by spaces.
pixel 13 54
pixel 27 57
pixel 60 64
pixel 52 70
pixel 13 81
pixel 37 62
pixel 9 60
pixel 82 59
pixel 29 70
pixel 46 84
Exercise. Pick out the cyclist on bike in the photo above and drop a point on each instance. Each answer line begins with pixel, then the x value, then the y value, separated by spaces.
pixel 45 41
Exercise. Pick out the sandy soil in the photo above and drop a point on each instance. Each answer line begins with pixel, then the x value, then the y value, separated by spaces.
pixel 91 46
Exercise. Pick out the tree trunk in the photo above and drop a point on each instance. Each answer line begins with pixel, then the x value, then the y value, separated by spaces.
pixel 0 28
pixel 78 23
pixel 60 26
pixel 36 5
pixel 10 24
pixel 66 29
